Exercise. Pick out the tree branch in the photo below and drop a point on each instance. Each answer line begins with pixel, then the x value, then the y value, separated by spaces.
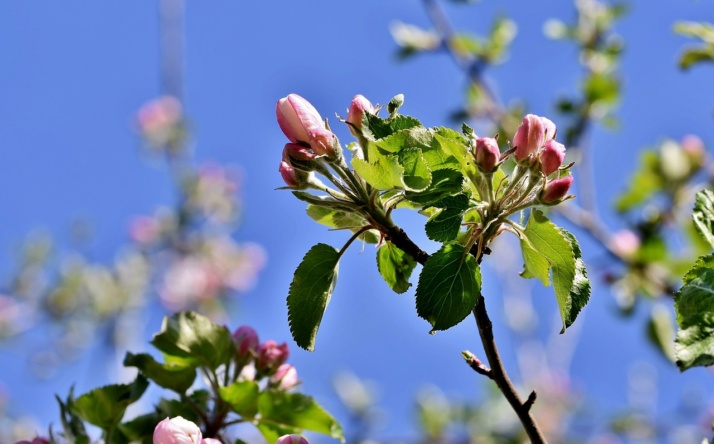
pixel 500 377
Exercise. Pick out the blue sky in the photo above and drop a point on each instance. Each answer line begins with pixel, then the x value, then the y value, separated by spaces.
pixel 73 73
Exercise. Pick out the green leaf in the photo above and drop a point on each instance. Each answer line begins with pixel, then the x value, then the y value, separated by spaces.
pixel 385 174
pixel 646 181
pixel 141 428
pixel 298 411
pixel 378 128
pixel 660 331
pixel 271 432
pixel 171 376
pixel 562 252
pixel 105 406
pixel 395 266
pixel 704 215
pixel 449 287
pixel 443 183
pixel 535 265
pixel 310 292
pixel 72 425
pixel 694 304
pixel 170 408
pixel 242 397
pixel 415 137
pixel 694 56
pixel 341 220
pixel 445 225
pixel 417 176
pixel 195 338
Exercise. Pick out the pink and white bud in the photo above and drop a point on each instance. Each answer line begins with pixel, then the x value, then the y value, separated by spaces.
pixel 285 377
pixel 246 340
pixel 271 356
pixel 322 141
pixel 291 439
pixel 487 154
pixel 551 157
pixel 290 175
pixel 211 441
pixel 297 118
pixel 625 243
pixel 177 431
pixel 298 152
pixel 38 440
pixel 556 190
pixel 358 107
pixel 529 137
pixel 549 128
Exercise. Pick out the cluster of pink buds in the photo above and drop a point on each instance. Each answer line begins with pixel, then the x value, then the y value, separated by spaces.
pixel 267 359
pixel 311 141
pixel 536 148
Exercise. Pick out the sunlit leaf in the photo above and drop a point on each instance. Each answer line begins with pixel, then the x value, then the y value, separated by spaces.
pixel 395 266
pixel 704 215
pixel 297 411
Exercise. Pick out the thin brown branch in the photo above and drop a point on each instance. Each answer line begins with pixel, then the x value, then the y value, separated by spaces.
pixel 500 377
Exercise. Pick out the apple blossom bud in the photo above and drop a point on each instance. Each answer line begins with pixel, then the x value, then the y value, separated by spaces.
pixel 211 441
pixel 271 356
pixel 529 137
pixel 298 152
pixel 549 128
pixel 177 431
pixel 291 176
pixel 359 105
pixel 285 377
pixel 38 440
pixel 555 190
pixel 246 340
pixel 291 439
pixel 322 141
pixel 487 154
pixel 297 117
pixel 551 157
pixel 624 243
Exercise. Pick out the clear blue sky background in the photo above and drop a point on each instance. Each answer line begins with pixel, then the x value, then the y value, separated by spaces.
pixel 73 73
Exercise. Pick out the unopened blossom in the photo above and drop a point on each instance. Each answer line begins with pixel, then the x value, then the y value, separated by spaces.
pixel 551 157
pixel 291 439
pixel 624 243
pixel 556 190
pixel 531 135
pixel 289 175
pixel 285 377
pixel 298 152
pixel 211 441
pixel 487 154
pixel 177 431
pixel 358 107
pixel 271 356
pixel 37 440
pixel 297 118
pixel 322 141
pixel 246 340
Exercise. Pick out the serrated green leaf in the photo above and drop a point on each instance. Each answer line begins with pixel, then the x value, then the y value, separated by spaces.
pixel 310 292
pixel 193 337
pixel 415 137
pixel 140 429
pixel 449 287
pixel 340 220
pixel 535 265
pixel 242 397
pixel 272 432
pixel 704 215
pixel 694 304
pixel 445 225
pixel 444 183
pixel 417 175
pixel 171 376
pixel 458 147
pixel 703 263
pixel 295 410
pixel 395 266
pixel 561 250
pixel 384 174
pixel 105 406
pixel 378 128
pixel 170 408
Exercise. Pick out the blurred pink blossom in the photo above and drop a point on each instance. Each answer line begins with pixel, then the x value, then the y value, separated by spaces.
pixel 159 120
pixel 624 243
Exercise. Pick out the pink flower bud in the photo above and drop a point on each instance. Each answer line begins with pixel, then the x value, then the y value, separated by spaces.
pixel 487 154
pixel 298 152
pixel 246 340
pixel 285 377
pixel 531 135
pixel 359 105
pixel 211 441
pixel 297 117
pixel 556 190
pixel 322 141
pixel 625 243
pixel 177 431
pixel 291 439
pixel 271 356
pixel 551 157
pixel 289 175
pixel 38 440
